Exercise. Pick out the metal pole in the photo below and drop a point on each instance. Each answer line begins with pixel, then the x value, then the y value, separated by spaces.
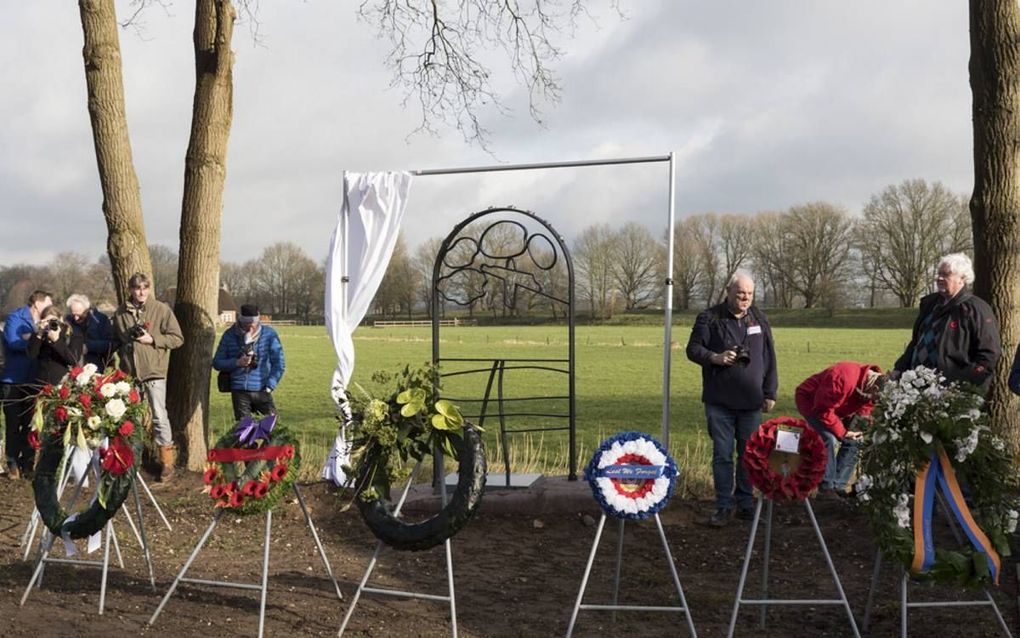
pixel 33 524
pixel 143 539
pixel 832 569
pixel 532 166
pixel 159 510
pixel 765 563
pixel 676 576
pixel 318 543
pixel 587 573
pixel 619 567
pixel 184 570
pixel 265 573
pixel 116 545
pixel 667 350
pixel 903 605
pixel 106 568
pixel 747 562
pixel 875 574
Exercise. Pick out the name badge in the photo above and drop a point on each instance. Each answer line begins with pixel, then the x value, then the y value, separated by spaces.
pixel 754 330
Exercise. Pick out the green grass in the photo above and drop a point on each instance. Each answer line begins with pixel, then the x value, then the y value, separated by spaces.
pixel 619 376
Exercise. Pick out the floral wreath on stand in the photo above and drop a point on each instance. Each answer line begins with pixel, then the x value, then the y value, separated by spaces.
pixel 631 475
pixel 803 471
pixel 251 467
pixel 386 434
pixel 929 434
pixel 88 410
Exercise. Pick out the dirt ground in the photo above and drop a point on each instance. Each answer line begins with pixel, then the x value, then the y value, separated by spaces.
pixel 518 568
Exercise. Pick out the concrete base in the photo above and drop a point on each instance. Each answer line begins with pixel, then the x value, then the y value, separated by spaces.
pixel 497 480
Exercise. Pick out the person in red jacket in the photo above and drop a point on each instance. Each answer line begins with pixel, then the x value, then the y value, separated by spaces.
pixel 829 401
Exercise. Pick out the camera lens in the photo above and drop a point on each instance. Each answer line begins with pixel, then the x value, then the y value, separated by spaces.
pixel 53 324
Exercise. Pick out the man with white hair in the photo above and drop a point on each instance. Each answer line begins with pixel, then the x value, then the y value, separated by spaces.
pixel 92 326
pixel 955 332
pixel 732 342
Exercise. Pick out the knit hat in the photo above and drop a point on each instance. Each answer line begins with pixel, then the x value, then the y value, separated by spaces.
pixel 249 314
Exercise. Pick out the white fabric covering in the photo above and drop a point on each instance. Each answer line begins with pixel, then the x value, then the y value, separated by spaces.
pixel 361 247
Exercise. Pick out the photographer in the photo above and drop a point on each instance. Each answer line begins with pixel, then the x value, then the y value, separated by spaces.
pixel 732 342
pixel 147 331
pixel 16 385
pixel 55 347
pixel 253 356
pixel 93 328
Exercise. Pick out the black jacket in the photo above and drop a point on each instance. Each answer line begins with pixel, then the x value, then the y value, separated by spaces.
pixel 969 346
pixel 739 386
pixel 55 358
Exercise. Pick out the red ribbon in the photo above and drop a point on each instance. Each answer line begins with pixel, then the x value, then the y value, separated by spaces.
pixel 231 455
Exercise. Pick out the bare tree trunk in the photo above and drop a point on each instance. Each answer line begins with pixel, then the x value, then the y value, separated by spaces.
pixel 994 206
pixel 122 200
pixel 205 171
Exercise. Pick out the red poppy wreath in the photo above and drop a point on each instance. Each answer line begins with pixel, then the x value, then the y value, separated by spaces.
pixel 801 478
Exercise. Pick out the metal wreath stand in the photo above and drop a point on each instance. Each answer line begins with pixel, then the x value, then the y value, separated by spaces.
pixel 95 541
pixel 437 463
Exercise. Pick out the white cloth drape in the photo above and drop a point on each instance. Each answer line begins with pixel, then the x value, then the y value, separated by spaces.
pixel 360 249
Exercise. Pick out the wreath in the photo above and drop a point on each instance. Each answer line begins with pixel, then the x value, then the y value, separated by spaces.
pixel 386 435
pixel 631 475
pixel 90 411
pixel 930 435
pixel 780 475
pixel 251 467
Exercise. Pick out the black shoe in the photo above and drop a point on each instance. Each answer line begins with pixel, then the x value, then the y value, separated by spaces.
pixel 745 513
pixel 721 518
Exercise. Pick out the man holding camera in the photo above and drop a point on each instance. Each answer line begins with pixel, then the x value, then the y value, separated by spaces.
pixel 732 342
pixel 147 331
pixel 17 389
pixel 253 357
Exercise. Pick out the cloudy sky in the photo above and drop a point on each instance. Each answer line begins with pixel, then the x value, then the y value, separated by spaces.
pixel 766 105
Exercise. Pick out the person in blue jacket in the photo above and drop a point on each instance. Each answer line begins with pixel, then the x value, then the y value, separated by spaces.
pixel 92 326
pixel 17 383
pixel 253 356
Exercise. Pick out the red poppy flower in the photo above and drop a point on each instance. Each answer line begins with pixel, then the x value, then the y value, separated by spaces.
pixel 60 413
pixel 118 458
pixel 65 392
pixel 33 439
pixel 133 396
pixel 210 475
pixel 261 489
pixel 794 486
pixel 288 451
pixel 126 428
pixel 279 472
pixel 217 491
pixel 48 388
pixel 954 325
pixel 249 488
pixel 232 488
pixel 236 499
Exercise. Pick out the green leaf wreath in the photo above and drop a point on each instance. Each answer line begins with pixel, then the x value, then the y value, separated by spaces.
pixel 916 416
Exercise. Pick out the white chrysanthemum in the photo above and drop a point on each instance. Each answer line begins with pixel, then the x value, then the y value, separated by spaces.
pixel 864 483
pixel 1011 524
pixel 107 390
pixel 902 511
pixel 95 421
pixel 115 408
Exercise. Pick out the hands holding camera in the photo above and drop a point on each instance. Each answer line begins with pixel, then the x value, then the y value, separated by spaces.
pixel 48 329
pixel 730 356
pixel 247 358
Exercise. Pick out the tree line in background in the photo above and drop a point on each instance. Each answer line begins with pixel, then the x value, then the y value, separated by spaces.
pixel 812 255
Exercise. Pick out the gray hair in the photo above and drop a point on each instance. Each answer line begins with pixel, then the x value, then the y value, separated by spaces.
pixel 739 273
pixel 959 264
pixel 81 300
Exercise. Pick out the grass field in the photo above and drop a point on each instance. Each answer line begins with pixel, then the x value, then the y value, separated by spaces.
pixel 618 383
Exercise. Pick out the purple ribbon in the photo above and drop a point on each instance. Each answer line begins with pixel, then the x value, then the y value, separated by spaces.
pixel 249 431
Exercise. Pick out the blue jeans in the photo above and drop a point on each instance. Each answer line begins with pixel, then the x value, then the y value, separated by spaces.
pixel 730 429
pixel 838 473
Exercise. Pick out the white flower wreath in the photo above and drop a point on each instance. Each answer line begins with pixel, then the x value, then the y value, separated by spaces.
pixel 638 497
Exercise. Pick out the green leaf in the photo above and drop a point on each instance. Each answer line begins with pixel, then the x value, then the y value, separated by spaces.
pixel 104 490
pixel 409 410
pixel 67 435
pixel 81 442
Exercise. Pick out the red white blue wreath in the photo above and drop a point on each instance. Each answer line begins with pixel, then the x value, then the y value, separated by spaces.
pixel 631 476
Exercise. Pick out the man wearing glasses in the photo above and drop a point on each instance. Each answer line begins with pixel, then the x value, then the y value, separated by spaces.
pixel 147 331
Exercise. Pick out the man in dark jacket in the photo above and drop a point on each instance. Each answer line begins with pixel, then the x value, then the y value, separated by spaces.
pixel 93 327
pixel 16 383
pixel 253 356
pixel 732 342
pixel 955 332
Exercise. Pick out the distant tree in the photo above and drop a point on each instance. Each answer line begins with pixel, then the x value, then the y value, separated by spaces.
pixel 398 290
pixel 593 268
pixel 164 268
pixel 711 260
pixel 69 273
pixel 423 262
pixel 637 265
pixel 735 242
pixel 819 243
pixel 773 257
pixel 688 266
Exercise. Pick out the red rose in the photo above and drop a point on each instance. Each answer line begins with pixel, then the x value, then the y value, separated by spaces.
pixel 217 491
pixel 118 458
pixel 85 400
pixel 236 499
pixel 65 392
pixel 249 488
pixel 48 388
pixel 210 476
pixel 126 428
pixel 76 371
pixel 61 413
pixel 279 472
pixel 117 376
pixel 133 396
pixel 33 439
pixel 261 489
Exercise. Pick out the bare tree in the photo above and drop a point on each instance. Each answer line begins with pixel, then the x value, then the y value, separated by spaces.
pixel 819 240
pixel 69 274
pixel 995 203
pixel 424 261
pixel 637 265
pixel 164 268
pixel 711 260
pixel 772 255
pixel 593 267
pixel 735 242
pixel 688 266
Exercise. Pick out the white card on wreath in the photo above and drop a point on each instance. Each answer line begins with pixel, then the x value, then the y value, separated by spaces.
pixel 788 441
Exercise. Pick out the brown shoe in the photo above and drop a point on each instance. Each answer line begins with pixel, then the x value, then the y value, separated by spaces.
pixel 166 460
pixel 14 473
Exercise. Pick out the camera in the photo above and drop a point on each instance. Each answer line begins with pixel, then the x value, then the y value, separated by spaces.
pixel 136 331
pixel 52 324
pixel 248 350
pixel 743 355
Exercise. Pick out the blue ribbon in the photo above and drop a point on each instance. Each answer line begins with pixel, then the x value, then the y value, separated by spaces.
pixel 631 472
pixel 249 431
